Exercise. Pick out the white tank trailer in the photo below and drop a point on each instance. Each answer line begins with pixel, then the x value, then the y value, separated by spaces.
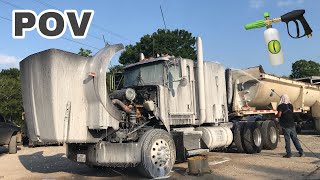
pixel 170 108
pixel 253 92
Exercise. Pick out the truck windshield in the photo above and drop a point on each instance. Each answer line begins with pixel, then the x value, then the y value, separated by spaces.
pixel 146 74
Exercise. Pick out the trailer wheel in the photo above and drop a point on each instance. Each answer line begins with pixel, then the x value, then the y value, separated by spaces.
pixel 13 145
pixel 158 153
pixel 238 128
pixel 298 129
pixel 251 138
pixel 270 135
pixel 317 124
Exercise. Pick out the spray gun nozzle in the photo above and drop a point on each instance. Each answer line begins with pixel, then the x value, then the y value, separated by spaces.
pixel 274 92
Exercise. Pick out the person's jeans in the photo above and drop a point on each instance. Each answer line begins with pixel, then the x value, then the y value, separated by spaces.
pixel 291 132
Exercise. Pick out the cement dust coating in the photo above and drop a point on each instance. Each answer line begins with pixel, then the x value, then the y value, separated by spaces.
pixel 51 163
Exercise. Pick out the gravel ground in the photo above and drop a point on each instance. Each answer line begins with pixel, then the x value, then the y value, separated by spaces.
pixel 51 163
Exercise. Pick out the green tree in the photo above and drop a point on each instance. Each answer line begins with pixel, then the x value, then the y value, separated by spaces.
pixel 303 68
pixel 176 42
pixel 12 72
pixel 116 69
pixel 10 95
pixel 85 52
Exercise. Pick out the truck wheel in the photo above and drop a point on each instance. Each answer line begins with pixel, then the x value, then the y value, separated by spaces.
pixel 158 153
pixel 251 138
pixel 238 128
pixel 270 135
pixel 13 145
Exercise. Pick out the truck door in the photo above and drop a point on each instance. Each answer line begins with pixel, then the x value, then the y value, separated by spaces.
pixel 180 101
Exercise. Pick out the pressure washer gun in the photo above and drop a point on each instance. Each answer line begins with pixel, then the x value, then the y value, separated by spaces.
pixel 271 35
pixel 295 16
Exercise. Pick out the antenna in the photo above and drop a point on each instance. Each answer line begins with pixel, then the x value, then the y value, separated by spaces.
pixel 164 22
pixel 104 40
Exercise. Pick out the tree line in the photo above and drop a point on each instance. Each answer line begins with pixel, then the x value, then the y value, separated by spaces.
pixel 173 42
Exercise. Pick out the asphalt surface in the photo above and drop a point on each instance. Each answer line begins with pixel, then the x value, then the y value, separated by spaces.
pixel 51 163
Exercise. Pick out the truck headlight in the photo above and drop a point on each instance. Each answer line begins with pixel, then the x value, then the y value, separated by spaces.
pixel 130 94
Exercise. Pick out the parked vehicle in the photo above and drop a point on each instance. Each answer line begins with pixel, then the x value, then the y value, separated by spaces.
pixel 8 134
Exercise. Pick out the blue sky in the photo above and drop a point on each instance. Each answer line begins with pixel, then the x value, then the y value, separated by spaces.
pixel 219 23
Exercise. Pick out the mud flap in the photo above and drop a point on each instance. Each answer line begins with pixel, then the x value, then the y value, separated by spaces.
pixel 181 152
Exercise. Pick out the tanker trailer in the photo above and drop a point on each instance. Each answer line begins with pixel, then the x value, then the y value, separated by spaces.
pixel 251 93
pixel 170 108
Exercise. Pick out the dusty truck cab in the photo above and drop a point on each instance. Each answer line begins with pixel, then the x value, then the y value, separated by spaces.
pixel 169 108
pixel 169 85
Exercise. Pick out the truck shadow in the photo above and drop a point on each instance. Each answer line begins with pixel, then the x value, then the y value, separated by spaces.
pixel 272 171
pixel 39 163
pixel 294 154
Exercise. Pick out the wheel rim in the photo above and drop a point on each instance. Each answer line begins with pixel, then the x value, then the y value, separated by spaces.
pixel 257 137
pixel 273 135
pixel 160 153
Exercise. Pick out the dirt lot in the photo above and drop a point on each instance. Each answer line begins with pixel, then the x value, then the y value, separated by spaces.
pixel 51 163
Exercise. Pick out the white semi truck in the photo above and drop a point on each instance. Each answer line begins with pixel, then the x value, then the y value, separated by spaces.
pixel 170 108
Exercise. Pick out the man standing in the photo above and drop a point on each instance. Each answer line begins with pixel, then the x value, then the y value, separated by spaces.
pixel 285 113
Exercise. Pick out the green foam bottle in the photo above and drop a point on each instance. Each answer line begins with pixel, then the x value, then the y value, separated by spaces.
pixel 272 40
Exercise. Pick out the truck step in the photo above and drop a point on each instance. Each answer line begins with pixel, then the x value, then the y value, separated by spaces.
pixel 191 138
pixel 192 141
pixel 197 151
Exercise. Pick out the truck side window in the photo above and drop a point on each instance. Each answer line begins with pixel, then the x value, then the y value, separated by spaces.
pixel 175 73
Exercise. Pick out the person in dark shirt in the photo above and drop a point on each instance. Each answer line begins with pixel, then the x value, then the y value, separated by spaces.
pixel 285 113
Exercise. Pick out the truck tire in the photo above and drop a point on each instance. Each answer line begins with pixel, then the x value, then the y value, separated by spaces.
pixel 237 138
pixel 13 145
pixel 270 135
pixel 158 153
pixel 251 138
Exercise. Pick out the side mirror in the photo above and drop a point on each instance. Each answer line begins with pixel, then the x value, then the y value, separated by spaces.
pixel 183 82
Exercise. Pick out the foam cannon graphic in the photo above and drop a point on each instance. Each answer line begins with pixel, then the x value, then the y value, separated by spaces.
pixel 271 35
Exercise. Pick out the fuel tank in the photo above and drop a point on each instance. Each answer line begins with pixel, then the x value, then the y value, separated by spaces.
pixel 216 137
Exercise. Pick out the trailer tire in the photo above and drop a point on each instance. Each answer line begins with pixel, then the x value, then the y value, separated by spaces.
pixel 251 138
pixel 317 124
pixel 158 153
pixel 237 137
pixel 270 135
pixel 13 145
pixel 298 129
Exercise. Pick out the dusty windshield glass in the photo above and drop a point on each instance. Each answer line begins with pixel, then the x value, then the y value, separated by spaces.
pixel 148 74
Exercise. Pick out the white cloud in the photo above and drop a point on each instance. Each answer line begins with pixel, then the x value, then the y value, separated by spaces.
pixel 283 3
pixel 256 4
pixel 7 61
